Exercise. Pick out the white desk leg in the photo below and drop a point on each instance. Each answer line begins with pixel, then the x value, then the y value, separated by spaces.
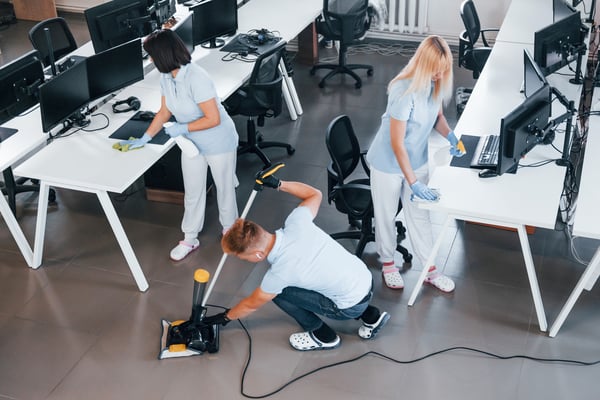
pixel 533 283
pixel 430 261
pixel 288 99
pixel 40 225
pixel 117 228
pixel 587 280
pixel 15 230
pixel 292 88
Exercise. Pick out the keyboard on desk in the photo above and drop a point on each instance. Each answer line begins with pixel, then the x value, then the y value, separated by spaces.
pixel 486 152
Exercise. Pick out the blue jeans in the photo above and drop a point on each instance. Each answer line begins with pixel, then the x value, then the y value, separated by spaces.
pixel 303 305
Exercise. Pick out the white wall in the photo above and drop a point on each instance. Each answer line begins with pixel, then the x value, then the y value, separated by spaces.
pixel 444 15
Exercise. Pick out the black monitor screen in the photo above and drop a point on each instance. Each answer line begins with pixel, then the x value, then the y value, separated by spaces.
pixel 185 30
pixel 114 68
pixel 64 96
pixel 212 19
pixel 19 81
pixel 560 10
pixel 533 78
pixel 162 10
pixel 555 44
pixel 117 22
pixel 522 129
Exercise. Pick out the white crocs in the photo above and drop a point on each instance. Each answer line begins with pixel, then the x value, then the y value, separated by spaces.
pixel 305 341
pixel 439 281
pixel 369 331
pixel 182 249
pixel 392 277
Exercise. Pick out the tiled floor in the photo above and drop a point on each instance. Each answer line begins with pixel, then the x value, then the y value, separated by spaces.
pixel 78 328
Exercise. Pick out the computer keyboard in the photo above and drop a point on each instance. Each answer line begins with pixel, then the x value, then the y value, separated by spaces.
pixel 486 154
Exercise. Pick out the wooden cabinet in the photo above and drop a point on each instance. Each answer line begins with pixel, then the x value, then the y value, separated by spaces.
pixel 34 10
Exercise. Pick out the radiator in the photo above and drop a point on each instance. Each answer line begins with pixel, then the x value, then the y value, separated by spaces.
pixel 402 16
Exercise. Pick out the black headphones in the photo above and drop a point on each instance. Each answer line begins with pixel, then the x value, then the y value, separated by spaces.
pixel 261 36
pixel 133 104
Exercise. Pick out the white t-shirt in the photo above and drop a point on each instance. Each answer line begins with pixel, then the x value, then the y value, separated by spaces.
pixel 306 257
pixel 191 86
pixel 420 111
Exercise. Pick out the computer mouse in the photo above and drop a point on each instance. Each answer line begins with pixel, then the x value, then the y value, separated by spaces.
pixel 487 173
pixel 145 116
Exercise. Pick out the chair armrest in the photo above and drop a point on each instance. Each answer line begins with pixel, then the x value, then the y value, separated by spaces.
pixel 365 164
pixel 483 38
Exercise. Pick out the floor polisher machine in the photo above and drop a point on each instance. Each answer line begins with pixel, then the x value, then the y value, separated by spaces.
pixel 194 337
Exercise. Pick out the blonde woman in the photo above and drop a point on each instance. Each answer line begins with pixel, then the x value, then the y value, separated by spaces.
pixel 398 156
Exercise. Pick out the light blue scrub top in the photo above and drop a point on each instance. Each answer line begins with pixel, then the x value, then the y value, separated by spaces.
pixel 191 86
pixel 420 111
pixel 306 257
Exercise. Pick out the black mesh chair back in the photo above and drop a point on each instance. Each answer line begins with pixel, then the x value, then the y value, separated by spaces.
pixel 468 13
pixel 62 39
pixel 472 54
pixel 350 189
pixel 261 97
pixel 266 80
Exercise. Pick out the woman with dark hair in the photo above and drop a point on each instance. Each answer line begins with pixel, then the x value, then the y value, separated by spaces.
pixel 190 96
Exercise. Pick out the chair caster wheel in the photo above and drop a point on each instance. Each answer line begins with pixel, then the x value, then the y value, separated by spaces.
pixel 370 72
pixel 321 85
pixel 357 85
pixel 291 150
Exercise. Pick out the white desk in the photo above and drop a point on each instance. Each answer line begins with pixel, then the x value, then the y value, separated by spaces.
pixel 529 197
pixel 587 217
pixel 28 139
pixel 523 18
pixel 86 161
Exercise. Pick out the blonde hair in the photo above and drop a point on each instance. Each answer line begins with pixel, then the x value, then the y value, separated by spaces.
pixel 432 56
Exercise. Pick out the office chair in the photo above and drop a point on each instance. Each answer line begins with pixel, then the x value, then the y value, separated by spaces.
pixel 259 98
pixel 344 21
pixel 471 55
pixel 353 197
pixel 62 39
pixel 11 187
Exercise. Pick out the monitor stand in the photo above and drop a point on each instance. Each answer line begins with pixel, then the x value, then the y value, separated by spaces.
pixel 213 43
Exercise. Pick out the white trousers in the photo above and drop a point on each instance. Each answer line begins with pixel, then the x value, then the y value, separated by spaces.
pixel 386 190
pixel 195 171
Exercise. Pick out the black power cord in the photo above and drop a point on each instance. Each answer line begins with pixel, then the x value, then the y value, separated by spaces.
pixel 394 360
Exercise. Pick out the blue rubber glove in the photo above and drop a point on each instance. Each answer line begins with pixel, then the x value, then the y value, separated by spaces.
pixel 176 129
pixel 455 148
pixel 133 144
pixel 421 190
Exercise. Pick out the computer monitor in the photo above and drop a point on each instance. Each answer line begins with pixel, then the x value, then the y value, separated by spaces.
pixel 185 30
pixel 522 129
pixel 117 22
pixel 533 78
pixel 161 10
pixel 213 19
pixel 560 10
pixel 62 97
pixel 114 68
pixel 558 44
pixel 19 82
